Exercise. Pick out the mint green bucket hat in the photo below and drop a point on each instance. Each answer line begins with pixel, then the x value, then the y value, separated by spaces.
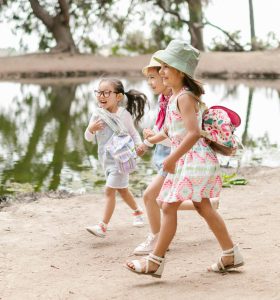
pixel 179 55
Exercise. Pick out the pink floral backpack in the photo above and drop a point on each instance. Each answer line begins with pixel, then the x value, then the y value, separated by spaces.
pixel 218 126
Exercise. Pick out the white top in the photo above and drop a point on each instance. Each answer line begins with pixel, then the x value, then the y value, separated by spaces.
pixel 127 121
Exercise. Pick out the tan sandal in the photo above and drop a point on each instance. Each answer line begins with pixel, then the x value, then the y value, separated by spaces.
pixel 151 257
pixel 237 261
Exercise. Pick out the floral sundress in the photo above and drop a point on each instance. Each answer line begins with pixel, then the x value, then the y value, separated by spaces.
pixel 197 173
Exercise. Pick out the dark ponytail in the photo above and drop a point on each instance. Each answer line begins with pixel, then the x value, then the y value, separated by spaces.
pixel 135 100
pixel 136 103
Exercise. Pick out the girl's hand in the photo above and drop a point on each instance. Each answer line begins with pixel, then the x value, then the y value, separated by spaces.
pixel 165 130
pixel 141 149
pixel 169 165
pixel 96 125
pixel 147 132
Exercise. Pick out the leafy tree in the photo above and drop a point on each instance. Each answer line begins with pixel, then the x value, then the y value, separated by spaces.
pixel 50 20
pixel 61 25
pixel 175 16
pixel 68 25
pixel 228 44
pixel 179 14
pixel 73 25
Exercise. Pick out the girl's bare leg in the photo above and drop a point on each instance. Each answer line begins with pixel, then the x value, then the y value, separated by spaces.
pixel 167 231
pixel 188 204
pixel 152 208
pixel 168 228
pixel 128 198
pixel 110 198
pixel 217 225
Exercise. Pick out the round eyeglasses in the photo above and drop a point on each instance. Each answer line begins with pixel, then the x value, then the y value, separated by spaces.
pixel 106 94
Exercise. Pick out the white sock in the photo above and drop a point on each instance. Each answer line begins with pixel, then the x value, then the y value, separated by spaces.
pixel 104 224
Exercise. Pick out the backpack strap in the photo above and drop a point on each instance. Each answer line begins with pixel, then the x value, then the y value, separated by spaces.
pixel 112 121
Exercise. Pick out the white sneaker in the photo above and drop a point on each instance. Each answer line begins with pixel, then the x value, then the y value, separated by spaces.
pixel 138 220
pixel 98 230
pixel 147 246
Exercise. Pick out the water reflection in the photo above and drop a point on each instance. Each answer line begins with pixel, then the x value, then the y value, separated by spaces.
pixel 42 127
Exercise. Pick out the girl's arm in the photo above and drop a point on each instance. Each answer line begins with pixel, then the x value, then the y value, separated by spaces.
pixel 149 142
pixel 187 107
pixel 129 125
pixel 93 126
pixel 159 137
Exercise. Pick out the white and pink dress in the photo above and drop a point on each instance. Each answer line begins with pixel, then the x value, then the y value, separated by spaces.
pixel 197 173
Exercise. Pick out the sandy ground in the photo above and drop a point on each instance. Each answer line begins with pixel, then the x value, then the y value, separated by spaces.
pixel 45 252
pixel 215 64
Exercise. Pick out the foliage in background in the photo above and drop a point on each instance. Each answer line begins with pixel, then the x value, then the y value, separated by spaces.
pixel 271 42
pixel 47 19
pixel 226 44
pixel 119 27
pixel 93 24
pixel 231 179
pixel 51 22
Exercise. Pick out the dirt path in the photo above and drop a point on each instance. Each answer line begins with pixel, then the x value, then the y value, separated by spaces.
pixel 45 252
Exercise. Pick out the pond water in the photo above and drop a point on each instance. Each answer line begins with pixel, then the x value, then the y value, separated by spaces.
pixel 42 126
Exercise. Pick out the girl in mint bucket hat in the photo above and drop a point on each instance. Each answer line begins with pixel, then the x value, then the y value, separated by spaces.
pixel 180 56
pixel 192 166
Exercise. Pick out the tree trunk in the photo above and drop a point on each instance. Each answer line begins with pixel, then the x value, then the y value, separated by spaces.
pixel 58 26
pixel 249 106
pixel 252 26
pixel 195 24
pixel 63 37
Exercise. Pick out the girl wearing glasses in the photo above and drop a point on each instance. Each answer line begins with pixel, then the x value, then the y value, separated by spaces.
pixel 109 94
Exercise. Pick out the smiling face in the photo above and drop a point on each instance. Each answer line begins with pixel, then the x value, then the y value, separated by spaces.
pixel 155 81
pixel 171 77
pixel 107 97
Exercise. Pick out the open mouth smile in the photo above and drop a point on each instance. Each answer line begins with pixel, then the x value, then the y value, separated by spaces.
pixel 103 101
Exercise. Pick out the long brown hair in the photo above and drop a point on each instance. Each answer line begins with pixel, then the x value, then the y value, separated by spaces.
pixel 135 100
pixel 195 86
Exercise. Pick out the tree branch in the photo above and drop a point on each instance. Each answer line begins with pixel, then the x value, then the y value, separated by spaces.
pixel 171 12
pixel 206 22
pixel 41 13
pixel 130 9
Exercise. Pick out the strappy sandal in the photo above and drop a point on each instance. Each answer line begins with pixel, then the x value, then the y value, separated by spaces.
pixel 237 261
pixel 151 257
